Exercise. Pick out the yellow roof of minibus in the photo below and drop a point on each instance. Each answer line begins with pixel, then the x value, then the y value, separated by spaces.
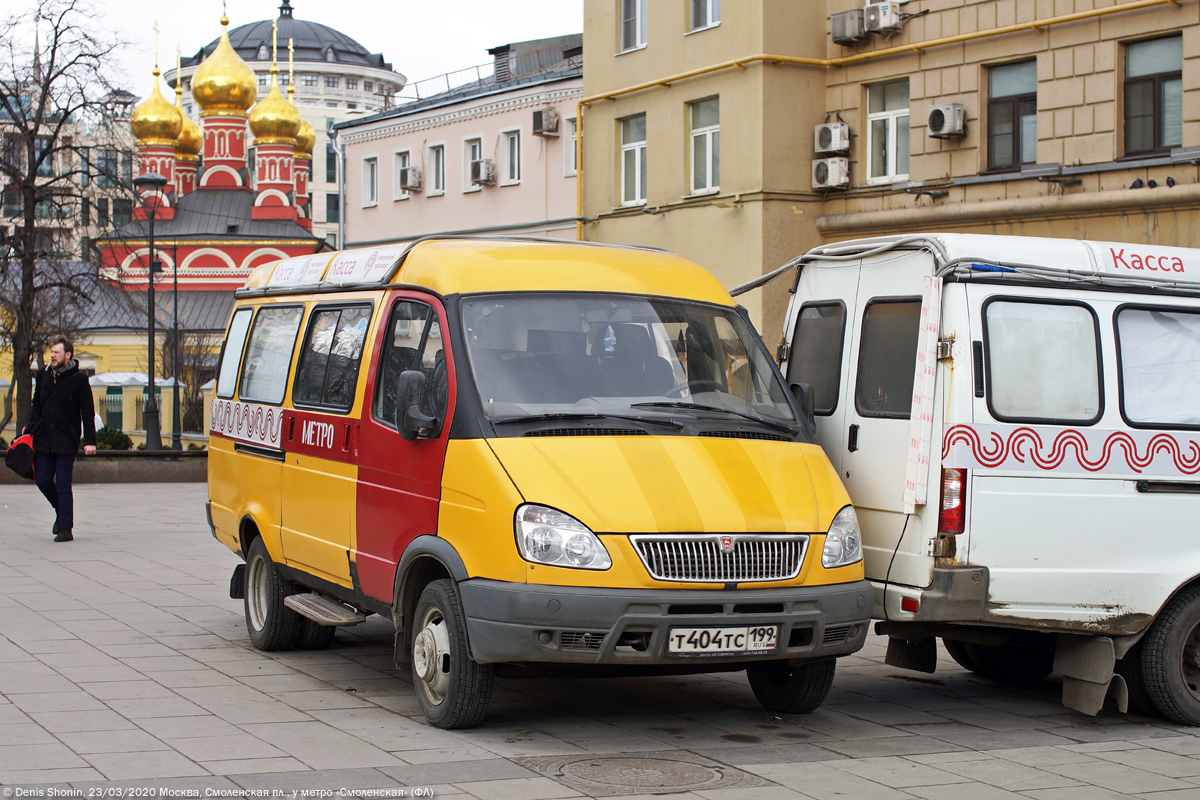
pixel 473 266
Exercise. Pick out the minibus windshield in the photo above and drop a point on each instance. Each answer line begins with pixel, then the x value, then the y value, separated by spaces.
pixel 600 355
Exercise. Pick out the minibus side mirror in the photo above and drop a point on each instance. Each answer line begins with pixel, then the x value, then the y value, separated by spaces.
pixel 410 422
pixel 805 398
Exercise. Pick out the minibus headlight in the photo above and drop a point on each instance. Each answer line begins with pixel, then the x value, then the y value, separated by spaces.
pixel 547 536
pixel 843 544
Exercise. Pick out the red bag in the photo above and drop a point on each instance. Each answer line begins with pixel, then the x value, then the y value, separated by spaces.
pixel 20 456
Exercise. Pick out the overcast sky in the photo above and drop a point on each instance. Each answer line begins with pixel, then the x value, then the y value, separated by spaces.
pixel 421 39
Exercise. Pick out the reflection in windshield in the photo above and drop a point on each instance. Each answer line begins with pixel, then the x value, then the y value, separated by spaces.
pixel 581 353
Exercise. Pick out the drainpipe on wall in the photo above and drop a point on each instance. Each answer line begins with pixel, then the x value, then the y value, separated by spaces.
pixel 341 186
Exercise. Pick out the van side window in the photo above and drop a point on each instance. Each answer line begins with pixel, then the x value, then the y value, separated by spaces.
pixel 887 358
pixel 231 355
pixel 269 354
pixel 815 356
pixel 1160 366
pixel 328 372
pixel 401 351
pixel 1042 361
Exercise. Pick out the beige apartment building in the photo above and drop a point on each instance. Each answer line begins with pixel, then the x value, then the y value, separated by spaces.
pixel 742 134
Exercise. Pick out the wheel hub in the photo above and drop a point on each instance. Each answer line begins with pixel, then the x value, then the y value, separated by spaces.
pixel 431 658
pixel 425 657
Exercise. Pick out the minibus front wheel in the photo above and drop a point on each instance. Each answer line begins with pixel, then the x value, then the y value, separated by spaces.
pixel 452 689
pixel 271 624
pixel 791 688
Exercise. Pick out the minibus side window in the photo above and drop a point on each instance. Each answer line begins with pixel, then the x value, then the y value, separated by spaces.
pixel 1159 357
pixel 401 351
pixel 1042 361
pixel 329 361
pixel 815 356
pixel 887 358
pixel 231 354
pixel 269 354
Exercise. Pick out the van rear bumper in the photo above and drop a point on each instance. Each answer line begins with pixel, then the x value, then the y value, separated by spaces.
pixel 510 622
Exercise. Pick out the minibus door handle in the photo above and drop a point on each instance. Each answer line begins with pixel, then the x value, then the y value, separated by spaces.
pixel 852 439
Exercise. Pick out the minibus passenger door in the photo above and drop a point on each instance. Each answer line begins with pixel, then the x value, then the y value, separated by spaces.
pixel 874 459
pixel 819 349
pixel 399 480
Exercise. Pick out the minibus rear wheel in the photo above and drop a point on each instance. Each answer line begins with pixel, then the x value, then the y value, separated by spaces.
pixel 1171 659
pixel 271 624
pixel 452 689
pixel 791 688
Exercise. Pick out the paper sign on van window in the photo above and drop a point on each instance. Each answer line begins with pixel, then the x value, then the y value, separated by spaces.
pixel 362 266
pixel 920 427
pixel 1146 261
pixel 299 271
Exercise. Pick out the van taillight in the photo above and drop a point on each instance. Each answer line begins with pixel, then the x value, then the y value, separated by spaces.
pixel 953 515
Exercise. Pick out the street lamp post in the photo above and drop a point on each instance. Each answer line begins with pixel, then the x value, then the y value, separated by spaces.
pixel 176 437
pixel 152 183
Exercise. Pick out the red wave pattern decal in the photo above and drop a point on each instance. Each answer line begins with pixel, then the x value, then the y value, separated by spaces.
pixel 1024 445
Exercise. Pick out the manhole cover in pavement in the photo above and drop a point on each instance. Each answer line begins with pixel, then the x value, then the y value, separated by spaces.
pixel 643 773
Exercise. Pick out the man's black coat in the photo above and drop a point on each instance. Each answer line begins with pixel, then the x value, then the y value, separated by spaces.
pixel 60 404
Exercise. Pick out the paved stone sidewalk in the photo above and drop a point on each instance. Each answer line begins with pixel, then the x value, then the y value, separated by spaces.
pixel 124 663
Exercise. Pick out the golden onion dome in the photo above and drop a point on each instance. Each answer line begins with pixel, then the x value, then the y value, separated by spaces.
pixel 274 120
pixel 223 85
pixel 156 122
pixel 306 139
pixel 191 138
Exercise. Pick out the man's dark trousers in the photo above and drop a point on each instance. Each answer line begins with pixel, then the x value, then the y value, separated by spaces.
pixel 54 479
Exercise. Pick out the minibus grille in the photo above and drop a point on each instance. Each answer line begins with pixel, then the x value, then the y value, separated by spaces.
pixel 722 558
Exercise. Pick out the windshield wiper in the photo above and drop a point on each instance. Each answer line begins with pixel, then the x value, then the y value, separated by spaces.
pixel 670 423
pixel 779 426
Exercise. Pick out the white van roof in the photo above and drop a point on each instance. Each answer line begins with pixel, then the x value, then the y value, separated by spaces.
pixel 1120 264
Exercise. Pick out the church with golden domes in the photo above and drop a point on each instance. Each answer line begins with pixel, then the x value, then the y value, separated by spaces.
pixel 236 191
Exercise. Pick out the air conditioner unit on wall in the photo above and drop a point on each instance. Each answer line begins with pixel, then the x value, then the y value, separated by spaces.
pixel 483 172
pixel 846 27
pixel 832 137
pixel 545 122
pixel 410 179
pixel 831 173
pixel 947 121
pixel 883 18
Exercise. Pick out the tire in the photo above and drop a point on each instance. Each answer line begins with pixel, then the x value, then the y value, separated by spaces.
pixel 452 690
pixel 1009 663
pixel 271 624
pixel 791 689
pixel 958 651
pixel 312 636
pixel 1170 659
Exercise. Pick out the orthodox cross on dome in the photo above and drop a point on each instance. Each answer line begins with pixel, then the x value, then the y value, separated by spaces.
pixel 156 46
pixel 291 71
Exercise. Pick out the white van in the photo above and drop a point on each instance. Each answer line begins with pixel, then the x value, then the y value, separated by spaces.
pixel 1017 421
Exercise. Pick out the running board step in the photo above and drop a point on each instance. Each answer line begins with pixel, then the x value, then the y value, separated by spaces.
pixel 323 610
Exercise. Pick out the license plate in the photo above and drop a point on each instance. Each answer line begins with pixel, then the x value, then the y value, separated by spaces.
pixel 713 641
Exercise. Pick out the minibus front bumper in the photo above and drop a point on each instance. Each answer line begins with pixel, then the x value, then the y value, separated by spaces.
pixel 512 623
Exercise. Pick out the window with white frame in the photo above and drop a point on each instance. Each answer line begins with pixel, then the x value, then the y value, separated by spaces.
pixel 633 160
pixel 706 145
pixel 436 169
pixel 887 131
pixel 570 142
pixel 510 157
pixel 370 181
pixel 400 162
pixel 308 80
pixel 472 151
pixel 633 24
pixel 705 14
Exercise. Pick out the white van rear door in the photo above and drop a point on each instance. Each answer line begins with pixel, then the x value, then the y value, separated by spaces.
pixel 820 335
pixel 877 407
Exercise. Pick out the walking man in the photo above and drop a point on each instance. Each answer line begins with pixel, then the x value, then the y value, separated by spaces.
pixel 62 401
